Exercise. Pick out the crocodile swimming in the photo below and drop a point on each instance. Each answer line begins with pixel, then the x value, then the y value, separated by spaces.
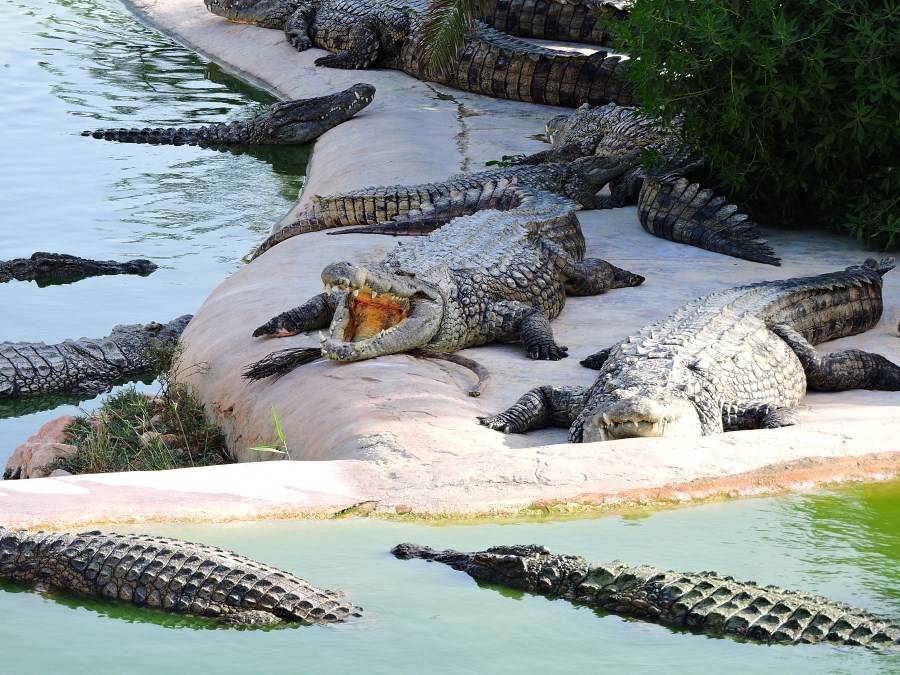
pixel 284 123
pixel 167 574
pixel 388 34
pixel 738 358
pixel 669 205
pixel 86 365
pixel 58 268
pixel 703 602
pixel 501 274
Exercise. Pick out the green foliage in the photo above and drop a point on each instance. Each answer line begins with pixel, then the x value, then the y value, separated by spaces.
pixel 132 431
pixel 795 105
pixel 505 161
pixel 444 29
pixel 284 450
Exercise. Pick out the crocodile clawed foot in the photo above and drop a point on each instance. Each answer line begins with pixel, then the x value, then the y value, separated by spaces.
pixel 780 417
pixel 548 352
pixel 498 423
pixel 299 42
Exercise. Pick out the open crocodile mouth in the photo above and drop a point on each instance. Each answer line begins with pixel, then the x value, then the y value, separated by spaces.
pixel 371 313
pixel 378 313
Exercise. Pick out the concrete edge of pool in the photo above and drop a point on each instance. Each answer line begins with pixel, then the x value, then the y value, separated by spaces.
pixel 400 437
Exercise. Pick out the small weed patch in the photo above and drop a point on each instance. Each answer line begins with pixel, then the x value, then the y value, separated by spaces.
pixel 133 431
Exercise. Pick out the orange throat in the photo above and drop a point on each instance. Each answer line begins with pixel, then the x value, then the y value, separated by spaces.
pixel 372 313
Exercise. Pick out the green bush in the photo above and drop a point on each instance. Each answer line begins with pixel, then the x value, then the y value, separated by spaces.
pixel 795 105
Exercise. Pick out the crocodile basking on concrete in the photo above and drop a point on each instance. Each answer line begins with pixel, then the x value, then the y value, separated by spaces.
pixel 576 21
pixel 669 205
pixel 167 574
pixel 702 602
pixel 284 123
pixel 60 268
pixel 85 366
pixel 501 274
pixel 388 34
pixel 419 209
pixel 738 358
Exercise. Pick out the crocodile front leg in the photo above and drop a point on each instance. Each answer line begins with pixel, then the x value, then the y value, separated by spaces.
pixel 762 416
pixel 539 408
pixel 840 371
pixel 362 50
pixel 316 312
pixel 510 318
pixel 296 28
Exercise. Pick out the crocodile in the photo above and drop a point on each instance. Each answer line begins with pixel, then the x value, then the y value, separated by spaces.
pixel 284 123
pixel 169 575
pixel 419 209
pixel 500 274
pixel 738 358
pixel 389 34
pixel 669 205
pixel 59 268
pixel 702 602
pixel 84 366
pixel 577 21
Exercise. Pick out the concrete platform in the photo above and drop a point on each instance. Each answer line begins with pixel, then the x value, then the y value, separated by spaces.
pixel 398 434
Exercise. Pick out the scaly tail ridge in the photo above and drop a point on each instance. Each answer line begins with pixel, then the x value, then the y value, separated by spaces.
pixel 681 211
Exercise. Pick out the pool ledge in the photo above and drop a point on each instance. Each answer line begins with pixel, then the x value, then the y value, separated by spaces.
pixel 396 436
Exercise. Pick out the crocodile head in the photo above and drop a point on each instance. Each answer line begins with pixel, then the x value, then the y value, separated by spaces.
pixel 299 121
pixel 138 337
pixel 378 312
pixel 265 13
pixel 526 566
pixel 638 414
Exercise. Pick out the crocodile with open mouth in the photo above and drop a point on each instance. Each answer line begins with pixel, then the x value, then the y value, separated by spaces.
pixel 388 34
pixel 167 574
pixel 739 358
pixel 500 274
pixel 704 602
pixel 284 123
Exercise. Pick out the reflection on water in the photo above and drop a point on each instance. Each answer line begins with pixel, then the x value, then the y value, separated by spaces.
pixel 855 531
pixel 427 618
pixel 72 65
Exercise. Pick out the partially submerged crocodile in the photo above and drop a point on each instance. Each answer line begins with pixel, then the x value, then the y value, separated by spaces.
pixel 388 34
pixel 87 365
pixel 167 574
pixel 284 123
pixel 739 358
pixel 58 268
pixel 703 602
pixel 494 275
pixel 669 205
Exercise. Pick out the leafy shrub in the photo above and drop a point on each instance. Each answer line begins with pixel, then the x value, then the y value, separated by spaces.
pixel 795 105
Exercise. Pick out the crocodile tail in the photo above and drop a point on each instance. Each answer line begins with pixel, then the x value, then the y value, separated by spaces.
pixel 502 66
pixel 213 134
pixel 567 21
pixel 281 362
pixel 681 211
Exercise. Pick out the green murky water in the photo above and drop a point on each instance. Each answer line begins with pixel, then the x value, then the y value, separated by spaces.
pixel 426 618
pixel 70 65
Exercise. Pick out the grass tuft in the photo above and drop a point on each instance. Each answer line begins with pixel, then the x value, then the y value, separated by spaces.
pixel 133 431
